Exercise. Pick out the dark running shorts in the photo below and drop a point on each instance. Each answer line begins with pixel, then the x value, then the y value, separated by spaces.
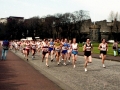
pixel 103 52
pixel 44 53
pixel 87 53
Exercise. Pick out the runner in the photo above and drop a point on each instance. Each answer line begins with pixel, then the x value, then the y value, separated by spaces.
pixel 74 47
pixel 57 50
pixel 64 51
pixel 15 46
pixel 38 47
pixel 103 47
pixel 11 45
pixel 87 48
pixel 62 42
pixel 45 52
pixel 69 50
pixel 51 49
pixel 18 45
pixel 27 49
pixel 23 45
pixel 33 47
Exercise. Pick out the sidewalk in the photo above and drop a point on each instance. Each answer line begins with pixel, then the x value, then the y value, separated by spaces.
pixel 16 74
pixel 108 57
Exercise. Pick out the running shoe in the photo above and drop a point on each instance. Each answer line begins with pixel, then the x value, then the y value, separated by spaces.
pixel 73 66
pixel 47 65
pixel 69 61
pixel 64 64
pixel 58 63
pixel 104 66
pixel 85 69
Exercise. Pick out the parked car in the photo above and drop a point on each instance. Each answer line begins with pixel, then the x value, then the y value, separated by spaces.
pixel 110 41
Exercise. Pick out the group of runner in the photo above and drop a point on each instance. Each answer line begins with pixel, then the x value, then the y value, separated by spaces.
pixel 59 50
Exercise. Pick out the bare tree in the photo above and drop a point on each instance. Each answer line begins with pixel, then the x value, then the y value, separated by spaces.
pixel 80 17
pixel 111 16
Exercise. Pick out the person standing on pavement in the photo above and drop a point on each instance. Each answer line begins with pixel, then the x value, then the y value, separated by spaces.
pixel 103 47
pixel 115 47
pixel 5 47
pixel 87 48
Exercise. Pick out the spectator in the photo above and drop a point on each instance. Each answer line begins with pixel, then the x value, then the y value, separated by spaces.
pixel 115 47
pixel 5 47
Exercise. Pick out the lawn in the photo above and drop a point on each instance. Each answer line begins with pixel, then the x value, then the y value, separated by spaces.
pixel 95 48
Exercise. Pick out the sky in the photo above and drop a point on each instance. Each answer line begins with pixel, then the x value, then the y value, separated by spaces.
pixel 98 9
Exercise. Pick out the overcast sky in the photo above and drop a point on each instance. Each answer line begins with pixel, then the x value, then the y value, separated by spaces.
pixel 98 9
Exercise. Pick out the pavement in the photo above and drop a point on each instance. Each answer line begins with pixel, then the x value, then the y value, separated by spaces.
pixel 69 78
pixel 16 74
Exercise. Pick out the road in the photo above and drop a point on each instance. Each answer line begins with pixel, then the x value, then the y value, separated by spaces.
pixel 69 78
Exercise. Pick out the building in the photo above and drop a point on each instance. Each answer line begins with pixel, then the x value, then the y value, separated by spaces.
pixel 101 29
pixel 3 20
pixel 19 19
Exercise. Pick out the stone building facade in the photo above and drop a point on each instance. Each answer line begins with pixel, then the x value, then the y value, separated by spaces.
pixel 101 29
pixel 3 20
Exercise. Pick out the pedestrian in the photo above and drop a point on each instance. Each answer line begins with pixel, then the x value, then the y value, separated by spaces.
pixel 5 47
pixel 115 47
pixel 87 48
pixel 103 47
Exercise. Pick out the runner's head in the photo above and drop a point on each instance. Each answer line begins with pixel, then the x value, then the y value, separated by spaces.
pixel 57 40
pixel 51 40
pixel 46 40
pixel 74 40
pixel 69 41
pixel 88 40
pixel 103 40
pixel 65 40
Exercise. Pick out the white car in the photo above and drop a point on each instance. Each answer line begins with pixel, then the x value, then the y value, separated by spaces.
pixel 110 41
